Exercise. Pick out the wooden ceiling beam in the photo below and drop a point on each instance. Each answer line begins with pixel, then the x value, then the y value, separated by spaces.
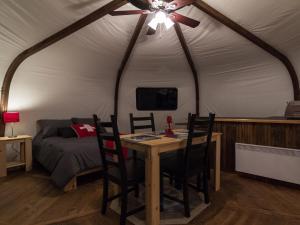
pixel 126 57
pixel 254 39
pixel 92 17
pixel 190 61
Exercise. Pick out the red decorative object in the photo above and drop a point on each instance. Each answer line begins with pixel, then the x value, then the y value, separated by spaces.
pixel 169 120
pixel 168 131
pixel 11 117
pixel 84 130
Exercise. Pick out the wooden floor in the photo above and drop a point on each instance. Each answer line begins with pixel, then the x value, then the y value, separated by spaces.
pixel 27 199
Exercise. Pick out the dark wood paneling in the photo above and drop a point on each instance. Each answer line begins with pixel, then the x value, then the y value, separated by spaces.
pixel 277 135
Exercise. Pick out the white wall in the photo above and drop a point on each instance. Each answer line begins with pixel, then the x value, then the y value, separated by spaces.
pixel 76 76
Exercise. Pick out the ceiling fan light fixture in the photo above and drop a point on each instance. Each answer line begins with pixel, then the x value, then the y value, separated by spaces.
pixel 157 3
pixel 153 24
pixel 171 7
pixel 160 17
pixel 168 23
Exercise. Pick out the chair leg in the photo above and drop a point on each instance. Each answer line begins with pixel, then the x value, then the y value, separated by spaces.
pixel 178 184
pixel 208 168
pixel 124 201
pixel 171 180
pixel 136 190
pixel 134 154
pixel 205 187
pixel 161 192
pixel 199 176
pixel 186 199
pixel 105 195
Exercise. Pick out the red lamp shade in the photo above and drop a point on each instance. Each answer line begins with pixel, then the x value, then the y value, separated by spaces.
pixel 11 117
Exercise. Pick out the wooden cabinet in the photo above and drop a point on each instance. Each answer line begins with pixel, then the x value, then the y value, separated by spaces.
pixel 267 132
pixel 25 161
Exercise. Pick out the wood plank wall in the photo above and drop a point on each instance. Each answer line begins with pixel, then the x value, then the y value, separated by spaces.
pixel 269 134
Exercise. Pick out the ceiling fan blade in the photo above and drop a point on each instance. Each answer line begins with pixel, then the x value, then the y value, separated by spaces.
pixel 150 31
pixel 184 20
pixel 82 4
pixel 178 4
pixel 128 12
pixel 141 4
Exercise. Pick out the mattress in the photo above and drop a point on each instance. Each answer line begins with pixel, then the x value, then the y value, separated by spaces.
pixel 66 157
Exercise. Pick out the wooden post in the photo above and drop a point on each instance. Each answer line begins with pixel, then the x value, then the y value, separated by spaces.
pixel 28 154
pixel 190 61
pixel 152 187
pixel 127 54
pixel 217 171
pixel 3 171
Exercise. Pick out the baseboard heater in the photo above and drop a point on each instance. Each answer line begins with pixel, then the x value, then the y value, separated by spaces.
pixel 271 162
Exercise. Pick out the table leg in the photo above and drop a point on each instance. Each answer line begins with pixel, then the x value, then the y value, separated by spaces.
pixel 217 171
pixel 22 151
pixel 28 154
pixel 3 171
pixel 152 187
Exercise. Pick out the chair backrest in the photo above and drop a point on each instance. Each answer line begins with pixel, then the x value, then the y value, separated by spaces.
pixel 134 126
pixel 198 127
pixel 108 153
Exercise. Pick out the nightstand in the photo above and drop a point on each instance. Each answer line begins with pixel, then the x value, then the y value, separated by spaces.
pixel 25 142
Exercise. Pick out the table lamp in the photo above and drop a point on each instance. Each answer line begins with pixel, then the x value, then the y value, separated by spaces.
pixel 11 117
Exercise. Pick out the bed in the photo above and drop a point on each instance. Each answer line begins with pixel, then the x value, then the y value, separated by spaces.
pixel 65 158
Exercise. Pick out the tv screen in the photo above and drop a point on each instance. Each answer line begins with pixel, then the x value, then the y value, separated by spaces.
pixel 156 98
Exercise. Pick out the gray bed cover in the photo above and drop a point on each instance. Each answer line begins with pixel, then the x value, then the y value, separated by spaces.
pixel 66 157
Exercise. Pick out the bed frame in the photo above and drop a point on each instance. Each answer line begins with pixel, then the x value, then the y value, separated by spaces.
pixel 72 185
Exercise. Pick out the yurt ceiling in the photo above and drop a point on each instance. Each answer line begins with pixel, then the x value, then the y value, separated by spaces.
pixel 76 76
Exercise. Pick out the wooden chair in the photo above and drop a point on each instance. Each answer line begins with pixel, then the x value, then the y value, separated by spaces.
pixel 128 174
pixel 149 124
pixel 201 127
pixel 134 127
pixel 193 162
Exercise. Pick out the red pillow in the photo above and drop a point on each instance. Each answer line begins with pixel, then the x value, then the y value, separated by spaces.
pixel 84 130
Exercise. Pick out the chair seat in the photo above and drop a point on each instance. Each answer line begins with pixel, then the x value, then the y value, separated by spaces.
pixel 174 164
pixel 135 172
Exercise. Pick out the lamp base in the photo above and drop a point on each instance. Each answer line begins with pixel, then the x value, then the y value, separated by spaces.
pixel 12 136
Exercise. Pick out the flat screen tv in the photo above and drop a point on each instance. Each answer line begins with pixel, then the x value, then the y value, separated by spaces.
pixel 156 99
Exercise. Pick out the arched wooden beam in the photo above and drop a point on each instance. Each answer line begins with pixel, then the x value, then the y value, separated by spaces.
pixel 254 39
pixel 190 61
pixel 125 59
pixel 92 17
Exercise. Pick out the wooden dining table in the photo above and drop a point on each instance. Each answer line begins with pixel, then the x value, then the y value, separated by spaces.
pixel 152 150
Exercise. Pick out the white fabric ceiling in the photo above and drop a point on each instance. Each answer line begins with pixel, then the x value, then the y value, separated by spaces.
pixel 76 76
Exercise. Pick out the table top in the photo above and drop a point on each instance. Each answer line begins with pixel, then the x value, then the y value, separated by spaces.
pixel 19 137
pixel 163 140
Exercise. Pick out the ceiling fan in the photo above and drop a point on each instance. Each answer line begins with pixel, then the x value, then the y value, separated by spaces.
pixel 164 11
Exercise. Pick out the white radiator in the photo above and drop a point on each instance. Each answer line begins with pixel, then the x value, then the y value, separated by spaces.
pixel 272 162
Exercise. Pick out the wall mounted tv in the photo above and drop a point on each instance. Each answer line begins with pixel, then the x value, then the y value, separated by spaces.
pixel 156 99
